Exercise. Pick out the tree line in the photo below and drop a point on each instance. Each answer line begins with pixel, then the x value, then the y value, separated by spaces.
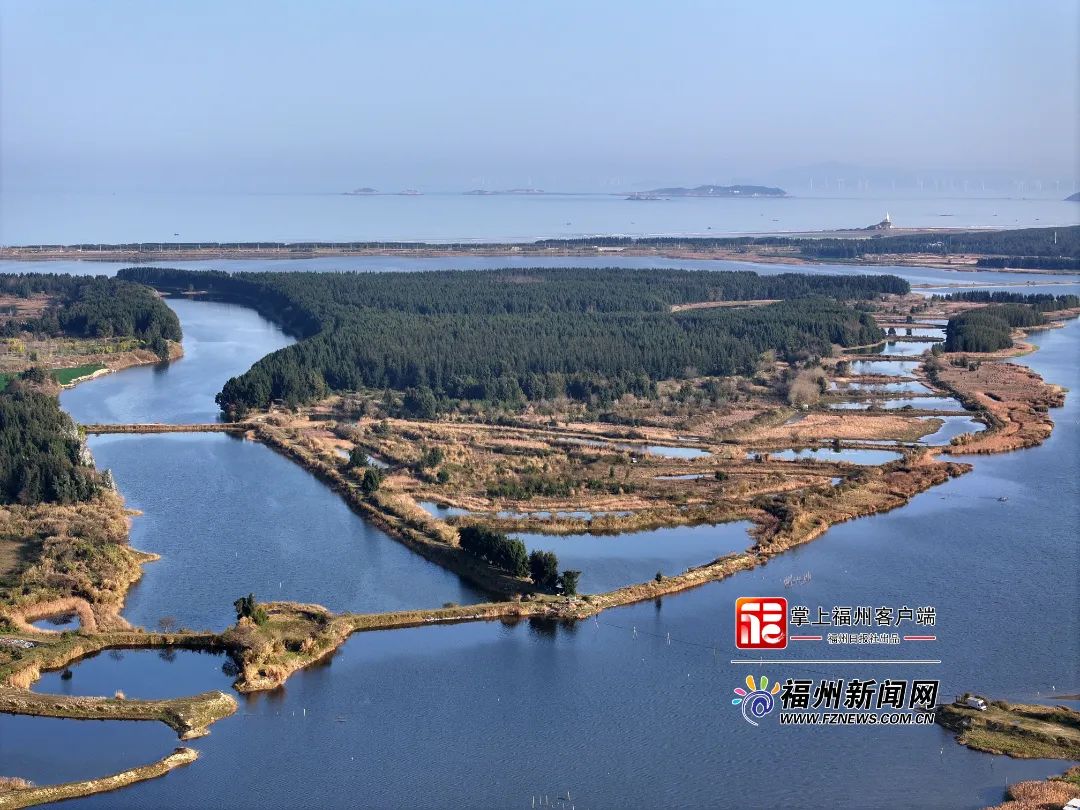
pixel 1040 302
pixel 1022 242
pixel 509 336
pixel 93 307
pixel 509 554
pixel 42 456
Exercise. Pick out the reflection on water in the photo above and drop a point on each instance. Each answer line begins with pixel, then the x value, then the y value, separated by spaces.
pixel 144 674
pixel 868 388
pixel 920 403
pixel 952 426
pixel 62 622
pixel 229 517
pixel 220 341
pixel 850 455
pixel 892 368
pixel 612 561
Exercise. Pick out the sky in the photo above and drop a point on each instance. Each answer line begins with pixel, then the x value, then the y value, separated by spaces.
pixel 574 95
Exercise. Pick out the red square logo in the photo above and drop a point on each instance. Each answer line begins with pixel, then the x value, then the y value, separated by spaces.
pixel 761 623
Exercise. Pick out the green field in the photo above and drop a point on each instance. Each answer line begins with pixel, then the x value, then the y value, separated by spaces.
pixel 67 375
pixel 4 381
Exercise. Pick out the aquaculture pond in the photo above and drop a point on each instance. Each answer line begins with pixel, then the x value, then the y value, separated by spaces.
pixel 921 403
pixel 144 674
pixel 869 388
pixel 907 347
pixel 847 454
pixel 612 561
pixel 891 368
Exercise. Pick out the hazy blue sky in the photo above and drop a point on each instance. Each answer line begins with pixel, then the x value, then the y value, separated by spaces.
pixel 572 95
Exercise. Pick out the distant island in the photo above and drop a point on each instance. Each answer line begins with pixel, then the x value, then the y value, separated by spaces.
pixel 712 191
pixel 487 193
pixel 1073 197
pixel 367 191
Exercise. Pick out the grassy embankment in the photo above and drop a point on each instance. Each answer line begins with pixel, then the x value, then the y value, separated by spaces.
pixel 1050 794
pixel 1015 729
pixel 67 558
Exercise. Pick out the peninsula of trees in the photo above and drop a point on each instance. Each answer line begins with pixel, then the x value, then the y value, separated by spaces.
pixel 508 336
pixel 92 307
pixel 990 328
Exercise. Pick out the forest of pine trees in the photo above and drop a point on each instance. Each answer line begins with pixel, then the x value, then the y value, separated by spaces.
pixel 92 307
pixel 989 328
pixel 513 335
pixel 41 452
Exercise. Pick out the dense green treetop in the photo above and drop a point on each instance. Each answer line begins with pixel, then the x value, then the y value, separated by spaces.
pixel 510 335
pixel 92 307
pixel 42 458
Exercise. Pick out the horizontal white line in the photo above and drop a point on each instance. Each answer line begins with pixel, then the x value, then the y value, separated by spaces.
pixel 834 661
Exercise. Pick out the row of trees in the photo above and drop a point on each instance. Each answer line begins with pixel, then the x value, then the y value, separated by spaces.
pixel 1020 242
pixel 510 336
pixel 1057 243
pixel 509 554
pixel 1027 242
pixel 1030 262
pixel 1040 302
pixel 93 307
pixel 42 457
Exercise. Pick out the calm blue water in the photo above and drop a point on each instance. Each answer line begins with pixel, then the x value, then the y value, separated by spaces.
pixel 61 623
pixel 951 427
pixel 143 674
pixel 906 347
pixel 924 403
pixel 220 341
pixel 47 750
pixel 851 456
pixel 71 218
pixel 607 562
pixel 894 368
pixel 634 707
pixel 868 389
pixel 229 517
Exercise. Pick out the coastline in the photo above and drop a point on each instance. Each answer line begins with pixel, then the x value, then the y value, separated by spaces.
pixel 675 247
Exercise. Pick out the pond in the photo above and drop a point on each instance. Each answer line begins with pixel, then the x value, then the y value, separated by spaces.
pixel 847 454
pixel 61 622
pixel 891 368
pixel 868 388
pixel 920 403
pixel 144 674
pixel 442 511
pixel 612 561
